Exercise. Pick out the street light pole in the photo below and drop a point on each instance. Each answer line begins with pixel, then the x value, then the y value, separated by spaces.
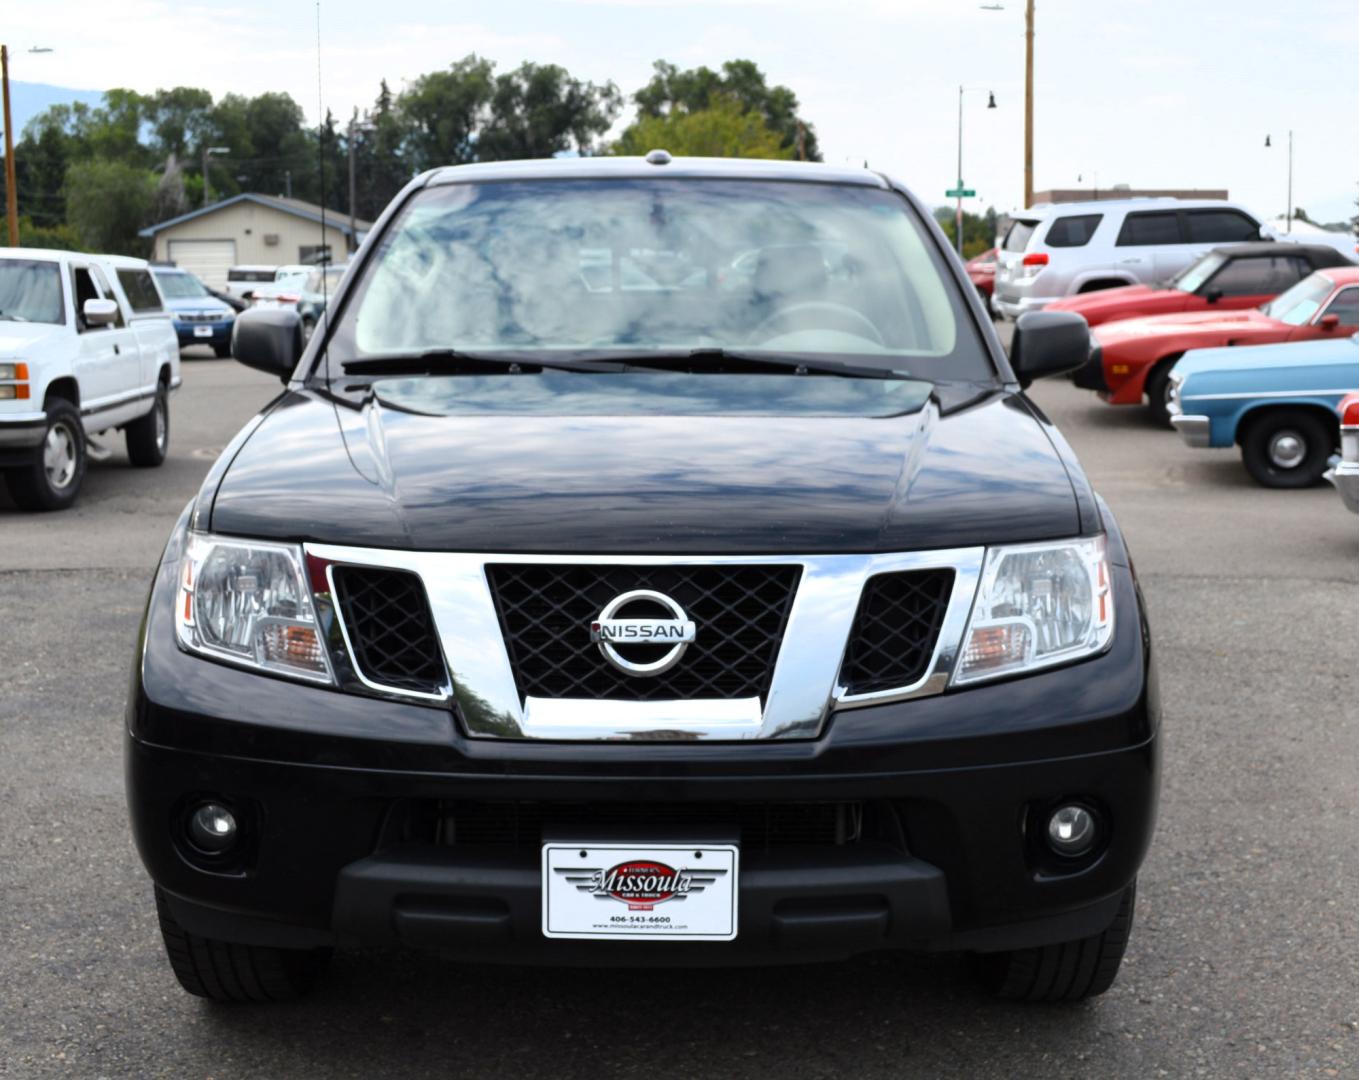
pixel 208 151
pixel 1028 105
pixel 1290 180
pixel 958 214
pixel 11 191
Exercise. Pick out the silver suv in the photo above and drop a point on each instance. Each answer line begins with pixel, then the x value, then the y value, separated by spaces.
pixel 1055 251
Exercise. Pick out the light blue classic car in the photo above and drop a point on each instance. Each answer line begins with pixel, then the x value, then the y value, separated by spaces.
pixel 1277 402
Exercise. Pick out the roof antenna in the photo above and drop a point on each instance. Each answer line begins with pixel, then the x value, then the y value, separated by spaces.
pixel 323 263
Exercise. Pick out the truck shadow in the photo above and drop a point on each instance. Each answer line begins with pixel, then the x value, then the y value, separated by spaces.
pixel 418 1015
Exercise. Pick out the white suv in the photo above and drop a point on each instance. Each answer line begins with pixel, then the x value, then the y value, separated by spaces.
pixel 1055 251
pixel 86 346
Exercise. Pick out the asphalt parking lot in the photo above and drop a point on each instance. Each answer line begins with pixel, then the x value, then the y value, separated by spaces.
pixel 1244 960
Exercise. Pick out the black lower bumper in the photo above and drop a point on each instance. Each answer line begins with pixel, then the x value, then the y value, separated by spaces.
pixel 1090 375
pixel 338 856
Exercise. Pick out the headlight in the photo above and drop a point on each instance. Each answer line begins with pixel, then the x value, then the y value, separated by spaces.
pixel 247 602
pixel 1038 605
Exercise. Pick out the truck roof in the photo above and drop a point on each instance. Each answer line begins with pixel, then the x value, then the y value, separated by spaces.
pixel 641 168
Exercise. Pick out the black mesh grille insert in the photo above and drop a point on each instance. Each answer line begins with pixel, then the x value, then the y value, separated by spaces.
pixel 390 627
pixel 760 824
pixel 546 609
pixel 895 629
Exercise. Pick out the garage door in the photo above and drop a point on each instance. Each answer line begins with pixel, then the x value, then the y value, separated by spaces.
pixel 208 259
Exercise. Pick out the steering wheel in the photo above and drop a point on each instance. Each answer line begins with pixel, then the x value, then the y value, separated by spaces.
pixel 821 315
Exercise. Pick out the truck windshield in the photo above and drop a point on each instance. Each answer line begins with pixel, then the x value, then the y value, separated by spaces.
pixel 598 265
pixel 1301 302
pixel 30 291
pixel 181 286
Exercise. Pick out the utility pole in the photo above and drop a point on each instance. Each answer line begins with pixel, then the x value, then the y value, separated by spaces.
pixel 288 183
pixel 11 188
pixel 1290 176
pixel 1028 105
pixel 958 213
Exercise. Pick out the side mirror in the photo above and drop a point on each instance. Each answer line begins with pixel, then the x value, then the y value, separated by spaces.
pixel 1329 322
pixel 1048 343
pixel 1212 295
pixel 100 312
pixel 268 339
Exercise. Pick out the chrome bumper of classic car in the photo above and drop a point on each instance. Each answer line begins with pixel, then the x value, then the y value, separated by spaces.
pixel 1194 430
pixel 1345 477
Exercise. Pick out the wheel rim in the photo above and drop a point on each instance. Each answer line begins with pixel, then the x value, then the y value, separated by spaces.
pixel 1287 449
pixel 162 428
pixel 59 456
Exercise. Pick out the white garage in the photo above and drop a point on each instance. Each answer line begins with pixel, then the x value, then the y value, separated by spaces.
pixel 208 259
pixel 253 230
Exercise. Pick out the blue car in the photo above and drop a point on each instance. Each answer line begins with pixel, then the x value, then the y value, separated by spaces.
pixel 199 317
pixel 1277 402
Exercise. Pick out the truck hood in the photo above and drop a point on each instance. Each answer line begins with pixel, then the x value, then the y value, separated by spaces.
pixel 1186 324
pixel 19 339
pixel 198 303
pixel 317 469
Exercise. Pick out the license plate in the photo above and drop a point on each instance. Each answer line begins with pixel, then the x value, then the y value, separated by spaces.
pixel 651 892
pixel 202 331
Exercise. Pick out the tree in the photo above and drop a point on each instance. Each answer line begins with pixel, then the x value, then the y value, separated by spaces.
pixel 380 164
pixel 180 120
pixel 696 89
pixel 441 113
pixel 724 129
pixel 539 111
pixel 107 202
pixel 979 230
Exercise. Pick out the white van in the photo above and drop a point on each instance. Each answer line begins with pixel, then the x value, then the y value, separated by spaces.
pixel 86 346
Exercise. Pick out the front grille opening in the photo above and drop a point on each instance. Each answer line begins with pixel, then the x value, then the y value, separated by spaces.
pixel 545 611
pixel 895 629
pixel 761 825
pixel 391 630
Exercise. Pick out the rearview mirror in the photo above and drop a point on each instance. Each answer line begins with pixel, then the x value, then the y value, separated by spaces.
pixel 1329 322
pixel 1048 343
pixel 100 312
pixel 268 339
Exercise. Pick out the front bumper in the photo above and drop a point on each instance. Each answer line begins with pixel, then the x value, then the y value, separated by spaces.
pixel 221 333
pixel 1196 431
pixel 335 793
pixel 22 431
pixel 1345 477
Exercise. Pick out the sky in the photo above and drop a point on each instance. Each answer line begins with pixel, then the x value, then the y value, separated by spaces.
pixel 1152 93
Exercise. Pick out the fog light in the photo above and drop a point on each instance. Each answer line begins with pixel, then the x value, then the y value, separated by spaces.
pixel 212 828
pixel 1071 830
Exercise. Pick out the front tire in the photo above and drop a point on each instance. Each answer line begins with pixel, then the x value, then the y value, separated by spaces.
pixel 1070 970
pixel 52 480
pixel 223 971
pixel 1158 392
pixel 148 437
pixel 1287 448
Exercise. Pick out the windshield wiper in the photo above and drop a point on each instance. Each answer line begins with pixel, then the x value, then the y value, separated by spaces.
pixel 737 361
pixel 460 362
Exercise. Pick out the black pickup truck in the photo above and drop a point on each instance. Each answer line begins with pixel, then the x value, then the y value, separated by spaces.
pixel 649 561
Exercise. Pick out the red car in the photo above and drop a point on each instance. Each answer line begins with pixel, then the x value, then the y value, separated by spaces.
pixel 1133 357
pixel 981 269
pixel 1227 278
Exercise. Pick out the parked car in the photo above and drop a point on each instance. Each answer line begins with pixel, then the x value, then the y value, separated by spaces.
pixel 242 281
pixel 1345 475
pixel 981 271
pixel 1133 357
pixel 316 291
pixel 86 347
pixel 1225 279
pixel 284 290
pixel 1278 403
pixel 670 623
pixel 199 318
pixel 1073 248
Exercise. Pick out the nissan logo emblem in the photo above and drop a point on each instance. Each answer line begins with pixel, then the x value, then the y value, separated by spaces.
pixel 675 634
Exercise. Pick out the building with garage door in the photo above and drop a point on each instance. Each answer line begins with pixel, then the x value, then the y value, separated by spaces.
pixel 251 230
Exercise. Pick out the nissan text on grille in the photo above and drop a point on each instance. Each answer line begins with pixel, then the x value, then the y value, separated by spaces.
pixel 647 560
